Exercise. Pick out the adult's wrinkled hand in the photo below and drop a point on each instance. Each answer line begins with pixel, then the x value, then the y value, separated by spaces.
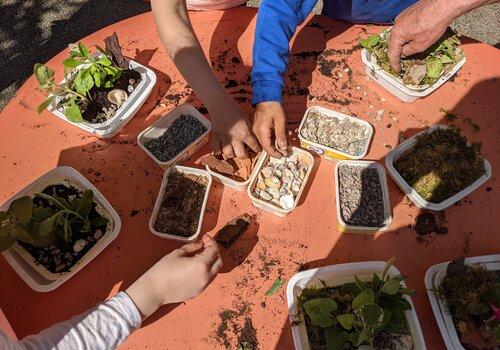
pixel 417 28
pixel 269 116
pixel 231 131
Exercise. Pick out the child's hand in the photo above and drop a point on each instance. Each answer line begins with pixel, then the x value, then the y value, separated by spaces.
pixel 178 276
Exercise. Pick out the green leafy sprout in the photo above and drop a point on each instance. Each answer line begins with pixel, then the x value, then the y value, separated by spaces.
pixel 421 69
pixel 74 94
pixel 44 225
pixel 353 314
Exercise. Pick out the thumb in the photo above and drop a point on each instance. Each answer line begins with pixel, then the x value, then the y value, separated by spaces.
pixel 189 248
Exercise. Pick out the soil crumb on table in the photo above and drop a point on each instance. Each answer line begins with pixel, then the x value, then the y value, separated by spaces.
pixel 181 205
pixel 183 131
pixel 361 198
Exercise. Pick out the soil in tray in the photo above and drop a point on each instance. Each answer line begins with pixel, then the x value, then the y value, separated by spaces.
pixel 472 295
pixel 183 131
pixel 180 209
pixel 441 164
pixel 62 255
pixel 100 108
pixel 360 196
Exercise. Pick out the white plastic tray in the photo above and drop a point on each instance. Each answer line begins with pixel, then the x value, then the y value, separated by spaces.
pixel 433 279
pixel 158 128
pixel 393 155
pixel 326 151
pixel 29 271
pixel 125 113
pixel 269 207
pixel 159 200
pixel 343 226
pixel 397 88
pixel 336 275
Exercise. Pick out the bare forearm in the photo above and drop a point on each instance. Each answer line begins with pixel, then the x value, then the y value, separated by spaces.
pixel 458 8
pixel 183 47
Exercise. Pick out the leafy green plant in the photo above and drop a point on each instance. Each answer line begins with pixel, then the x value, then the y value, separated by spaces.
pixel 74 94
pixel 420 69
pixel 354 314
pixel 46 224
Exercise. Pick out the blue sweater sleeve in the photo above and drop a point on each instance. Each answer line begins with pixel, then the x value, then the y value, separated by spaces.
pixel 276 24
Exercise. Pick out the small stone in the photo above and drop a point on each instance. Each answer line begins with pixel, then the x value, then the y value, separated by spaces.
pixel 130 88
pixel 274 192
pixel 59 267
pixel 79 245
pixel 265 196
pixel 273 182
pixel 55 251
pixel 286 202
pixel 98 234
pixel 131 81
pixel 261 186
pixel 267 171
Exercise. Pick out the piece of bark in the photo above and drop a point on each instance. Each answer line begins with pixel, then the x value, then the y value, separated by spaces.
pixel 232 230
pixel 113 46
pixel 219 165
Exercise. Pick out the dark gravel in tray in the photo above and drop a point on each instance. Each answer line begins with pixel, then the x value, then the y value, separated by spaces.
pixel 361 198
pixel 183 131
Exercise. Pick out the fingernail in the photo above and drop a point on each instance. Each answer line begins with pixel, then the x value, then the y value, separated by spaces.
pixel 282 143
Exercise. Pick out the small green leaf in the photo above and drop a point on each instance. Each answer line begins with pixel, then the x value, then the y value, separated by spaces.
pixel 22 209
pixel 320 311
pixel 47 225
pixel 73 113
pixel 84 51
pixel 335 340
pixel 108 84
pixel 83 81
pixel 276 286
pixel 408 291
pixel 445 59
pixel 372 315
pixel 6 243
pixel 104 61
pixel 390 287
pixel 346 321
pixel 43 73
pixel 370 42
pixel 387 267
pixel 71 63
pixel 42 106
pixel 22 234
pixel 362 285
pixel 97 79
pixel 364 298
pixel 434 68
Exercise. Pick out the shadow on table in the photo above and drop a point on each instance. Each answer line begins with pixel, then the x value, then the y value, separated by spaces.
pixel 479 105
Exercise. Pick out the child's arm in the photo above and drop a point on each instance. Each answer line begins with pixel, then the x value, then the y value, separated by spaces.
pixel 230 128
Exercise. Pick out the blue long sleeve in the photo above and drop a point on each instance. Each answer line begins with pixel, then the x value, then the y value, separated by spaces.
pixel 276 24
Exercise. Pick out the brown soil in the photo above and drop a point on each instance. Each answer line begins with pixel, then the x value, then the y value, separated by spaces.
pixel 181 205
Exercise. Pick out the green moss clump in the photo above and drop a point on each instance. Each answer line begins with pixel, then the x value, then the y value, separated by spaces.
pixel 441 164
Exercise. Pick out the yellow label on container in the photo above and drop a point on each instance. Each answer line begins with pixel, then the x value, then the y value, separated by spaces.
pixel 324 153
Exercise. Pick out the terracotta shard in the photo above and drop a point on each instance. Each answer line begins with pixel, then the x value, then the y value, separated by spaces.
pixel 218 165
pixel 113 46
pixel 227 235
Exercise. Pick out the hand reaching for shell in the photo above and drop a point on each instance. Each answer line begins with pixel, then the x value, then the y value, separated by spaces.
pixel 269 116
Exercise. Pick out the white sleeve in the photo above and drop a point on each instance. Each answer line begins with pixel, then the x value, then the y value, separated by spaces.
pixel 104 327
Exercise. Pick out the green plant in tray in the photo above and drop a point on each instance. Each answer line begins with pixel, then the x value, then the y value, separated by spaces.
pixel 83 71
pixel 422 69
pixel 364 312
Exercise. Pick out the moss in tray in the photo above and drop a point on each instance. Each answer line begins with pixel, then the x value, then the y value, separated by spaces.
pixel 364 312
pixel 441 164
pixel 472 295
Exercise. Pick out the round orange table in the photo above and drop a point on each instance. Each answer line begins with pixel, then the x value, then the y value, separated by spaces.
pixel 325 69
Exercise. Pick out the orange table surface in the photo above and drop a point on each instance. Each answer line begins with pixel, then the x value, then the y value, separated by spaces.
pixel 33 144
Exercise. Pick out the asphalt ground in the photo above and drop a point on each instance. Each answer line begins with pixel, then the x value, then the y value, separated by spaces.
pixel 33 31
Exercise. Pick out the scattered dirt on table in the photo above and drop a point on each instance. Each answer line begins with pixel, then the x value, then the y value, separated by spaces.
pixel 426 224
pixel 247 339
pixel 235 327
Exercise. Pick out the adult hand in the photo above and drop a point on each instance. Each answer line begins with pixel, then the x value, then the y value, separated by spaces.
pixel 178 276
pixel 231 131
pixel 417 28
pixel 269 116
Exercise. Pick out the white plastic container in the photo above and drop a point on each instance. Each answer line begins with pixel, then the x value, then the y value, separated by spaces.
pixel 400 150
pixel 158 128
pixel 326 151
pixel 126 111
pixel 365 164
pixel 270 207
pixel 433 279
pixel 159 200
pixel 336 275
pixel 36 275
pixel 395 86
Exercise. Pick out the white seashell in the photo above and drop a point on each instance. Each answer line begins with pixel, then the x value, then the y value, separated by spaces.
pixel 278 172
pixel 265 196
pixel 267 171
pixel 287 175
pixel 275 201
pixel 117 96
pixel 294 158
pixel 286 202
pixel 283 191
pixel 302 173
pixel 274 192
pixel 292 166
pixel 79 245
pixel 272 182
pixel 130 88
